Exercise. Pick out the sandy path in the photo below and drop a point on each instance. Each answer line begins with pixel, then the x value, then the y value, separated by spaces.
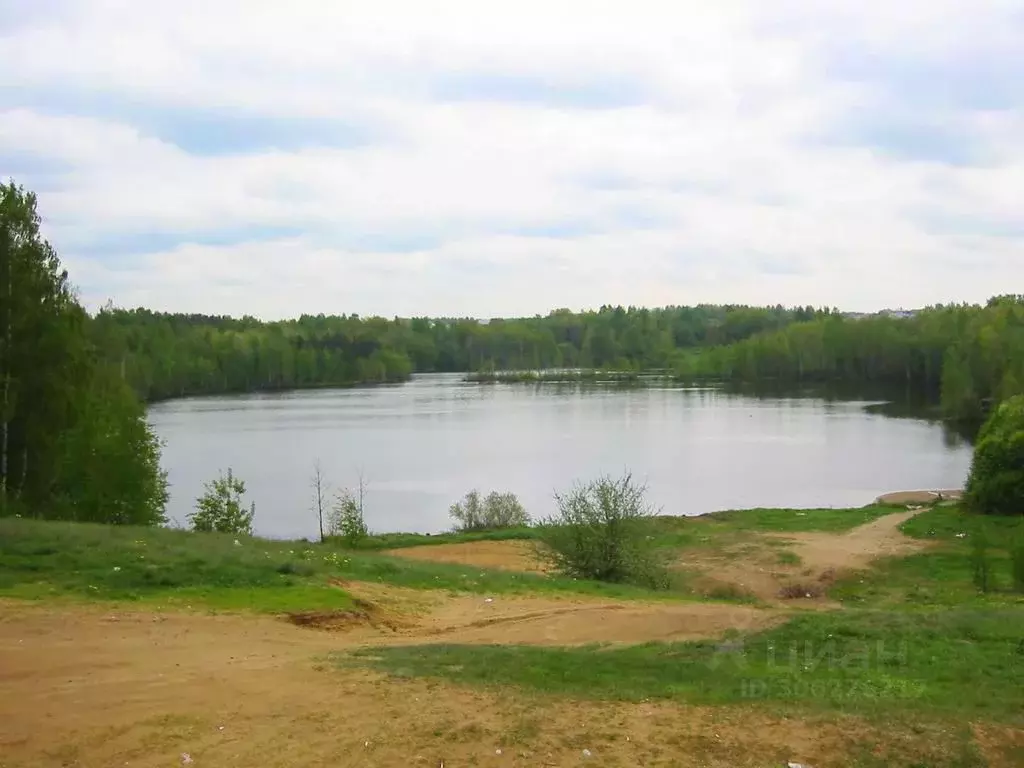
pixel 822 558
pixel 855 549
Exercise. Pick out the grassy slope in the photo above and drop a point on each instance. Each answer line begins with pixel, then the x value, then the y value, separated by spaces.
pixel 966 662
pixel 915 638
pixel 54 559
pixel 711 530
pixel 942 575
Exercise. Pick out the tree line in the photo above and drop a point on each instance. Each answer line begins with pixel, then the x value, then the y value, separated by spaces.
pixel 969 356
pixel 173 355
pixel 74 441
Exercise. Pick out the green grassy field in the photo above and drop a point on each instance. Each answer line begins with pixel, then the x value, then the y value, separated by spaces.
pixel 968 662
pixel 915 636
pixel 45 560
pixel 713 530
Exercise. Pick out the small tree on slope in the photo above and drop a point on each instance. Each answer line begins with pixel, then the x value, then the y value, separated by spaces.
pixel 220 509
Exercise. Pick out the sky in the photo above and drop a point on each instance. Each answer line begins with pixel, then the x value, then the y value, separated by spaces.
pixel 487 159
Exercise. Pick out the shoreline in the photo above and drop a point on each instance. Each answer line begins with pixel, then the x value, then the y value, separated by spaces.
pixel 919 497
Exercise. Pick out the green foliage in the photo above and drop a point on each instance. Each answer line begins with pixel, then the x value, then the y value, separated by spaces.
pixel 346 519
pixel 968 354
pixel 995 485
pixel 74 442
pixel 220 509
pixel 172 355
pixel 110 470
pixel 495 512
pixel 602 531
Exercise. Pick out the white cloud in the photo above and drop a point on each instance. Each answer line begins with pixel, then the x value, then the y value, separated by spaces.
pixel 519 157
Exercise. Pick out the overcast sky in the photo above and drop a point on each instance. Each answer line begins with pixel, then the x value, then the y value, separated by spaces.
pixel 506 158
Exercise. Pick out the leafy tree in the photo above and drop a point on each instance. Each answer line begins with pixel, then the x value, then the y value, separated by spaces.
pixel 995 485
pixel 601 531
pixel 74 442
pixel 496 511
pixel 346 519
pixel 110 470
pixel 221 510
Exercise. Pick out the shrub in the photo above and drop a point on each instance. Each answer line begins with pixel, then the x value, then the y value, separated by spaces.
pixel 220 509
pixel 497 510
pixel 995 485
pixel 346 519
pixel 601 531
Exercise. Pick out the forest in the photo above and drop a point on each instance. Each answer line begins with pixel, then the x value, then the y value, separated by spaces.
pixel 74 441
pixel 968 356
pixel 172 355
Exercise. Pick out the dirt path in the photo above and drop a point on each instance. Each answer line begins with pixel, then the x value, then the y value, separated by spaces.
pixel 857 548
pixel 756 566
pixel 779 567
pixel 406 616
pixel 88 688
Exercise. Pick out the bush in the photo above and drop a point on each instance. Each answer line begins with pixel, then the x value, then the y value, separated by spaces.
pixel 346 519
pixel 220 509
pixel 995 485
pixel 602 532
pixel 498 510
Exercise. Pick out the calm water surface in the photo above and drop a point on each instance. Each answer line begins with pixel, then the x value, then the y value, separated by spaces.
pixel 422 445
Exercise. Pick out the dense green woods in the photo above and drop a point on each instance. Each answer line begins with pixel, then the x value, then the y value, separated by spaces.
pixel 971 355
pixel 74 442
pixel 165 355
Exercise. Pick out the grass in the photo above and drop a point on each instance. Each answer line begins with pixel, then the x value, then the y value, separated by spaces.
pixel 710 530
pixel 796 520
pixel 941 575
pixel 381 541
pixel 43 560
pixel 967 662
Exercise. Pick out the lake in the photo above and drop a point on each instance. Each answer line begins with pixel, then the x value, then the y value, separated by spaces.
pixel 422 445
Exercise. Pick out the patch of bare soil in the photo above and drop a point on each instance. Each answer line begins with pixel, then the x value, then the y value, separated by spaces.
pixel 86 688
pixel 822 557
pixel 504 555
pixel 556 621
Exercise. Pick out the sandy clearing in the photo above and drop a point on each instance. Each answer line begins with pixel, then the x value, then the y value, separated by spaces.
pixel 504 555
pixel 405 616
pixel 91 688
pixel 822 558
